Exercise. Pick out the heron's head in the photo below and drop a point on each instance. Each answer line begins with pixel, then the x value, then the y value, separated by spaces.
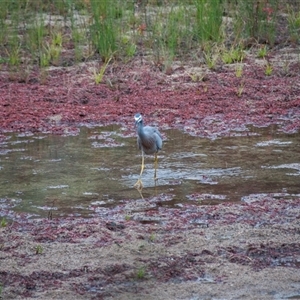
pixel 138 118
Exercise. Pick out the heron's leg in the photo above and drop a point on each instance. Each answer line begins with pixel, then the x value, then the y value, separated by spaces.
pixel 142 167
pixel 139 183
pixel 155 166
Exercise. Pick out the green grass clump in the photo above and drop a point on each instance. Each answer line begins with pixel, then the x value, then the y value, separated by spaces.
pixel 127 217
pixel 98 76
pixel 234 54
pixel 152 237
pixel 3 223
pixel 210 60
pixel 141 273
pixel 268 69
pixel 127 47
pixel 39 249
pixel 262 52
pixel 239 71
pixel 14 56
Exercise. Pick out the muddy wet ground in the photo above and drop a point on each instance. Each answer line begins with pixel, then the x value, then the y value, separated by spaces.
pixel 237 251
pixel 227 251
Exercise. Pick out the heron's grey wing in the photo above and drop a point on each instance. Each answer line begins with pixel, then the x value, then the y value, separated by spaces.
pixel 158 138
pixel 139 143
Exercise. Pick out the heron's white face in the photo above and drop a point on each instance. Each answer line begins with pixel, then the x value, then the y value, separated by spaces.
pixel 138 118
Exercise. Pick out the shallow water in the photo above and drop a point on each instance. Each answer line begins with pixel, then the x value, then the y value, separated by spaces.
pixel 71 175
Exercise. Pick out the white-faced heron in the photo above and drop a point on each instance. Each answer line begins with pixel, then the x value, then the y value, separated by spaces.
pixel 149 141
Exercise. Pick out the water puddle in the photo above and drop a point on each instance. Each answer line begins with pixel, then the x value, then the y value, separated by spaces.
pixel 75 175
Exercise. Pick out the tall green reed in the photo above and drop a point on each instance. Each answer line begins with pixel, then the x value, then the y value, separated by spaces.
pixel 104 28
pixel 208 20
pixel 257 20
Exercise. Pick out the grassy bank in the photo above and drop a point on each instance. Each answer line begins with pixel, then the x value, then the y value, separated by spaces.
pixel 37 33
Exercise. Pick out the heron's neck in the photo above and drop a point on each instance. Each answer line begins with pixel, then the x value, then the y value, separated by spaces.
pixel 140 129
